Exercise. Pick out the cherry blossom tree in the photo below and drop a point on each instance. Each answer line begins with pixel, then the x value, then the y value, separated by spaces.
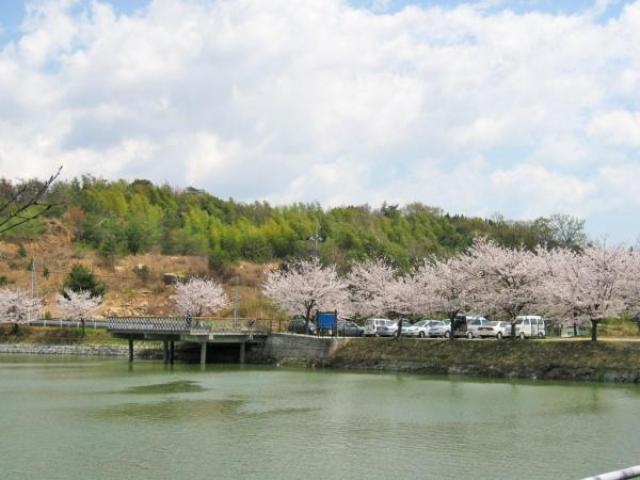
pixel 592 284
pixel 198 296
pixel 304 286
pixel 18 306
pixel 631 285
pixel 78 305
pixel 446 286
pixel 377 289
pixel 508 278
pixel 562 265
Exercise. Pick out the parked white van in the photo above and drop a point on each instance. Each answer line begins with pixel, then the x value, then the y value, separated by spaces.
pixel 380 327
pixel 530 326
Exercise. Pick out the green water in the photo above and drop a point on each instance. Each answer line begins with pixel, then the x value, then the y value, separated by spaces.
pixel 99 419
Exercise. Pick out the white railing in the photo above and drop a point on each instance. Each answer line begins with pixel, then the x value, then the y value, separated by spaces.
pixel 629 472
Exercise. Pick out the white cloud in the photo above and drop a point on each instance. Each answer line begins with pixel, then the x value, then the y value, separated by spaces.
pixel 620 183
pixel 473 109
pixel 619 127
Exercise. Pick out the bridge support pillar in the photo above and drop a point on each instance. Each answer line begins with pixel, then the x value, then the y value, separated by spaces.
pixel 203 353
pixel 172 351
pixel 166 354
pixel 242 352
pixel 130 350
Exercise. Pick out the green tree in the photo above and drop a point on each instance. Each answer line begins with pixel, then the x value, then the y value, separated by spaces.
pixel 143 224
pixel 82 279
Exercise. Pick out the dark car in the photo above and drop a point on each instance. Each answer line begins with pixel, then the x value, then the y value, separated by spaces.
pixel 347 328
pixel 298 325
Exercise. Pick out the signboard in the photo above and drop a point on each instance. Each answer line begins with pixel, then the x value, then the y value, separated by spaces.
pixel 327 321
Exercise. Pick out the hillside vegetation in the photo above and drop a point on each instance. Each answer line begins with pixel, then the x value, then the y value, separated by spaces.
pixel 130 218
pixel 131 234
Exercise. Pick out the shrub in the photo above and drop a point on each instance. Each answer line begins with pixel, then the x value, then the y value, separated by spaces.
pixel 81 278
pixel 9 332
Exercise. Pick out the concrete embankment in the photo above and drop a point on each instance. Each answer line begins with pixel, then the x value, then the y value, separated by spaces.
pixel 292 349
pixel 75 349
pixel 533 359
pixel 604 361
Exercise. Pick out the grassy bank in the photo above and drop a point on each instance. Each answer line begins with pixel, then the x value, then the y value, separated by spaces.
pixel 543 359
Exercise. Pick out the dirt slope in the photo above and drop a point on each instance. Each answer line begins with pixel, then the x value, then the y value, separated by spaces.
pixel 136 285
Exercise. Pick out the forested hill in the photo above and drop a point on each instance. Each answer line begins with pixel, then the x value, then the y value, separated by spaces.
pixel 119 218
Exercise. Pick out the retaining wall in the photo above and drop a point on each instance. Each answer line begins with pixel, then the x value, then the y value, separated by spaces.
pixel 87 350
pixel 607 361
pixel 288 347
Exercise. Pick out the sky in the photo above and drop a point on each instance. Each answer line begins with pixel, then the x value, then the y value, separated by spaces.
pixel 519 108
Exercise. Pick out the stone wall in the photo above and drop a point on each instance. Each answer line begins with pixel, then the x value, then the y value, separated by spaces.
pixel 289 347
pixel 88 350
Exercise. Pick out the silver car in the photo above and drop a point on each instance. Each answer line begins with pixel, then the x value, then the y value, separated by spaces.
pixel 480 327
pixel 438 328
pixel 418 329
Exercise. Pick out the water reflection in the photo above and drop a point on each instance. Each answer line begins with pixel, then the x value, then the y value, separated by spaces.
pixel 170 410
pixel 178 386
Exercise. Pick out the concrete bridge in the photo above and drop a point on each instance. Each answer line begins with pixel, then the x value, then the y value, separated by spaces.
pixel 197 331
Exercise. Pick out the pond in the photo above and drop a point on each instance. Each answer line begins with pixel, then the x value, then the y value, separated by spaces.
pixel 66 418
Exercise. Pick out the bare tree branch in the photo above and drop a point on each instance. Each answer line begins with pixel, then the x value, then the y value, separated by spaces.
pixel 17 208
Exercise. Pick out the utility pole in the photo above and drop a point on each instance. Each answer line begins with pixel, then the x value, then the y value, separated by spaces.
pixel 236 301
pixel 33 277
pixel 33 285
pixel 316 238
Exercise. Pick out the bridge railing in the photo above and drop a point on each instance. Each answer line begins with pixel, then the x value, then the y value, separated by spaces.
pixel 153 324
pixel 237 325
pixel 197 325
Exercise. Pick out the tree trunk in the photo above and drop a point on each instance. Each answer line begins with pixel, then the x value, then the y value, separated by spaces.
pixel 452 330
pixel 307 319
pixel 399 332
pixel 82 323
pixel 594 330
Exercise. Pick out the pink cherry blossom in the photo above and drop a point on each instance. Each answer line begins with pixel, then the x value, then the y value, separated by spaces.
pixel 78 305
pixel 302 287
pixel 507 278
pixel 444 286
pixel 377 289
pixel 592 284
pixel 18 306
pixel 199 297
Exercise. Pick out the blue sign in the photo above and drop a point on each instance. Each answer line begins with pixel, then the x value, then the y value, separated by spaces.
pixel 327 320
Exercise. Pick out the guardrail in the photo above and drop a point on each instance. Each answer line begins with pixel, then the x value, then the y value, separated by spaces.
pixel 625 473
pixel 95 324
